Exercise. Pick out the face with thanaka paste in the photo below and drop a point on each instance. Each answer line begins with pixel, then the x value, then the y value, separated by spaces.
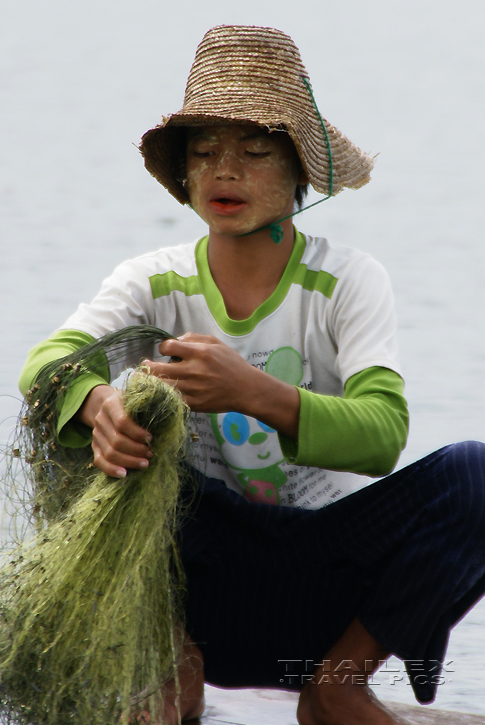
pixel 241 177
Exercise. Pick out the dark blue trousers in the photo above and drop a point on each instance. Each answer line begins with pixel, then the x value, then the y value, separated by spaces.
pixel 271 589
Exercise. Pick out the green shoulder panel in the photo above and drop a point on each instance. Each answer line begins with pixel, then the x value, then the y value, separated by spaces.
pixel 318 281
pixel 163 284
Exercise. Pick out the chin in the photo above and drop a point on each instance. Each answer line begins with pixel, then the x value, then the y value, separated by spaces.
pixel 232 230
pixel 247 226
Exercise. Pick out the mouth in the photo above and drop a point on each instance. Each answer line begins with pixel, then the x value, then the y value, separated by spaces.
pixel 227 205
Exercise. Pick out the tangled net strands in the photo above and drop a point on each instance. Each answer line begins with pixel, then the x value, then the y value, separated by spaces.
pixel 90 614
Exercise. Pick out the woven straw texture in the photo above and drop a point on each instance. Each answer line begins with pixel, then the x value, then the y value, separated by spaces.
pixel 246 74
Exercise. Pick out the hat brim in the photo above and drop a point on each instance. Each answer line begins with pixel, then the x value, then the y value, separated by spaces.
pixel 163 149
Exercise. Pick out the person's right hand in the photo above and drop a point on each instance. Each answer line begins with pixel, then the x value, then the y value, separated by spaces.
pixel 118 442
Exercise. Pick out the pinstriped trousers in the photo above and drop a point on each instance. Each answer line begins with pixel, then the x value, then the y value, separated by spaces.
pixel 268 585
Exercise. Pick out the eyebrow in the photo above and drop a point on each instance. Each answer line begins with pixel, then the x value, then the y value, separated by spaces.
pixel 248 137
pixel 199 134
pixel 256 134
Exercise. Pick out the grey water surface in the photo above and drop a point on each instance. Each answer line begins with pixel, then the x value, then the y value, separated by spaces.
pixel 81 82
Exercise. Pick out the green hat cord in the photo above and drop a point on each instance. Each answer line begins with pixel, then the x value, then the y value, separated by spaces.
pixel 275 229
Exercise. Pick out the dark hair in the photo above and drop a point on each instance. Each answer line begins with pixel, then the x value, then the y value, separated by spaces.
pixel 300 194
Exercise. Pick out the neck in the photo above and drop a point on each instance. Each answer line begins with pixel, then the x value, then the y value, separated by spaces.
pixel 247 269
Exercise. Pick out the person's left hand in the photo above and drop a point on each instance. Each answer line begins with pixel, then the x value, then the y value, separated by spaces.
pixel 212 377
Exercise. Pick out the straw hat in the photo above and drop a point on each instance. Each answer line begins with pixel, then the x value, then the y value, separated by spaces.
pixel 246 74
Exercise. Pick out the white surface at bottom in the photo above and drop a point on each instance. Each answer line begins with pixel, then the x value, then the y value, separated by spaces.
pixel 250 707
pixel 278 707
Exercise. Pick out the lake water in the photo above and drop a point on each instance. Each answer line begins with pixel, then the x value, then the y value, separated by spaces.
pixel 79 85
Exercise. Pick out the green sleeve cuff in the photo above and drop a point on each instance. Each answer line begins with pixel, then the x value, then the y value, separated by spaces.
pixel 363 432
pixel 289 446
pixel 71 433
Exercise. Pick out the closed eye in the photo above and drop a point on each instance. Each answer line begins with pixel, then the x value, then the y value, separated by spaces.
pixel 258 154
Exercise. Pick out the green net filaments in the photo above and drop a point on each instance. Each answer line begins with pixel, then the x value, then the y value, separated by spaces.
pixel 90 604
pixel 57 475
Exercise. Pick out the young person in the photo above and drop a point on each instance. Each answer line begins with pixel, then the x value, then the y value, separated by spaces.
pixel 288 359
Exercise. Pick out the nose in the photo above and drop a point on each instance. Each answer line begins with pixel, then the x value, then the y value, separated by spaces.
pixel 228 166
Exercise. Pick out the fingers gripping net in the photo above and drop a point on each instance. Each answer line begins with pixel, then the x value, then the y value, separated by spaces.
pixel 90 613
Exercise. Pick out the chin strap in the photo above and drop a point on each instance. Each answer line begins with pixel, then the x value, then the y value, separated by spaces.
pixel 275 229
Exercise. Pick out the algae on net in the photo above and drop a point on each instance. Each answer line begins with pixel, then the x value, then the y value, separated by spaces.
pixel 90 613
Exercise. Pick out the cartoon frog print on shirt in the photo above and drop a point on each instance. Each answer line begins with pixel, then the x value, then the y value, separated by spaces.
pixel 252 447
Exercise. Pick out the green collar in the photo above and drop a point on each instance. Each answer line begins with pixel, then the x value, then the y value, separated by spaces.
pixel 216 303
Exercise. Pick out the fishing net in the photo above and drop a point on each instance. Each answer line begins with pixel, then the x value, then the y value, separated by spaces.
pixel 91 585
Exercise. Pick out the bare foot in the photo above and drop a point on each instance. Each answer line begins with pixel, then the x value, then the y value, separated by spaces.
pixel 343 704
pixel 338 693
pixel 165 710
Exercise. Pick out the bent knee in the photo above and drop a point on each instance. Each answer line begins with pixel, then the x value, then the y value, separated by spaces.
pixel 464 475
